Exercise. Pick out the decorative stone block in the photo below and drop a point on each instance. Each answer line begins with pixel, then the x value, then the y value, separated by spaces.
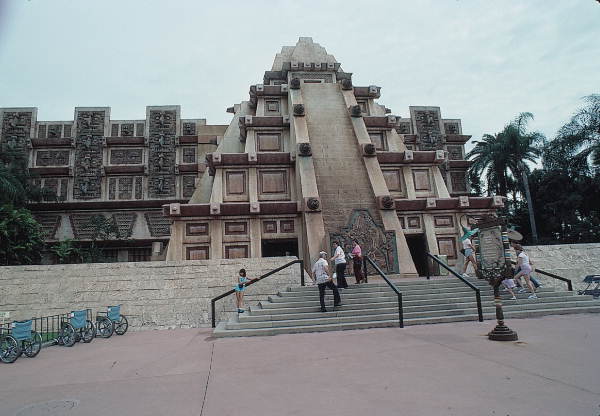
pixel 215 208
pixel 254 208
pixel 368 149
pixel 440 155
pixel 299 110
pixel 248 120
pixel 260 87
pixel 498 201
pixel 431 203
pixel 295 83
pixel 355 111
pixel 409 155
pixel 391 120
pixel 463 201
pixel 304 149
pixel 347 84
pixel 313 204
pixel 373 90
pixel 386 202
pixel 175 208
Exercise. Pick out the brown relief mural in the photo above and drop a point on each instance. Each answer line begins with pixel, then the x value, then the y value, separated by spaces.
pixel 189 154
pixel 16 129
pixel 88 155
pixel 52 158
pixel 428 129
pixel 188 185
pixel 126 156
pixel 158 224
pixel 378 244
pixel 161 153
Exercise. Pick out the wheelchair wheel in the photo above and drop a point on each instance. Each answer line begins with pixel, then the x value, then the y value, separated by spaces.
pixel 89 332
pixel 67 336
pixel 105 327
pixel 121 325
pixel 32 347
pixel 9 349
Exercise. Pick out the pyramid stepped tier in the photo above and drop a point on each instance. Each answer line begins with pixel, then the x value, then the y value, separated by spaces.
pixel 297 309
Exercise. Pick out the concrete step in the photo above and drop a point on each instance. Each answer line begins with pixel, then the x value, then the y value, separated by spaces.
pixel 221 330
pixel 358 316
pixel 376 290
pixel 309 300
pixel 261 315
pixel 401 286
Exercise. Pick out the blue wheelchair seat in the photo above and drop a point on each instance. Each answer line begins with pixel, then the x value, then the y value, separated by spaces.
pixel 78 319
pixel 21 330
pixel 114 313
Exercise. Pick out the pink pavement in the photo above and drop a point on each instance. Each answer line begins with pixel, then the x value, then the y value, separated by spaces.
pixel 446 369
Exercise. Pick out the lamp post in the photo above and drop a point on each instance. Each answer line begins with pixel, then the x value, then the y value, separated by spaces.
pixel 494 266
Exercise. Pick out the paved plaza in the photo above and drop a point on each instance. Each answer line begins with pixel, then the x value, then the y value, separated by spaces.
pixel 446 369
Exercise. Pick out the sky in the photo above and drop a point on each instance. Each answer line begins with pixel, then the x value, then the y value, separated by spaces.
pixel 481 61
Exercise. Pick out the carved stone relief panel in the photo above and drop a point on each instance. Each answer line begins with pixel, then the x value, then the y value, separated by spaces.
pixel 454 152
pixel 459 181
pixel 271 107
pixel 112 188
pixel 125 222
pixel 67 130
pixel 428 129
pixel 403 127
pixel 139 129
pixel 54 131
pixel 52 158
pixel 447 246
pixel 236 228
pixel 161 153
pixel 16 129
pixel 82 228
pixel 158 224
pixel 197 253
pixel 49 223
pixel 88 154
pixel 188 185
pixel 307 77
pixel 236 251
pixel 127 129
pixel 269 227
pixel 126 156
pixel 451 128
pixel 413 222
pixel 272 181
pixel 114 130
pixel 235 182
pixel 287 226
pixel 189 154
pixel 126 187
pixel 393 180
pixel 378 139
pixel 421 180
pixel 268 142
pixel 189 128
pixel 139 193
pixel 196 228
pixel 443 221
pixel 378 244
pixel 42 131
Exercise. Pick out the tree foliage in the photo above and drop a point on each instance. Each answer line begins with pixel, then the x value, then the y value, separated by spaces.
pixel 21 236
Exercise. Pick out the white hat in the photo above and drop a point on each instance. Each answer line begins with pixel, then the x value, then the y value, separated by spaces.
pixel 323 253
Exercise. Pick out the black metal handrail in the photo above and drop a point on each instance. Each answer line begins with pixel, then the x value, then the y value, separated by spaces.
pixel 366 260
pixel 554 276
pixel 251 282
pixel 465 281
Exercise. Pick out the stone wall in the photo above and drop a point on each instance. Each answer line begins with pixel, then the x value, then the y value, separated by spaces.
pixel 573 261
pixel 154 295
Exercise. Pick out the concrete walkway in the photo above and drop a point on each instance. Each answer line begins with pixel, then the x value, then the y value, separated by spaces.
pixel 447 369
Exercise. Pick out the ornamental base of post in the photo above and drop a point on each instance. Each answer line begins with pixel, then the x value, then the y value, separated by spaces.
pixel 502 333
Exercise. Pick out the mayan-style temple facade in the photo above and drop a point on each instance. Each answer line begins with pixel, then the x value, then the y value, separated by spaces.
pixel 124 170
pixel 310 158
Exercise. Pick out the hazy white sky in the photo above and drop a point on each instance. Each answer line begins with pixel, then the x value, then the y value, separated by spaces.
pixel 481 61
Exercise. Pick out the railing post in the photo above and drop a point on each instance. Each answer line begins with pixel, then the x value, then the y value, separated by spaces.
pixel 364 266
pixel 400 311
pixel 213 317
pixel 569 286
pixel 429 262
pixel 479 309
pixel 301 272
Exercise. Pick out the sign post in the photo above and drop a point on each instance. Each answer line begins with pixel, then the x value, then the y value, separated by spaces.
pixel 493 258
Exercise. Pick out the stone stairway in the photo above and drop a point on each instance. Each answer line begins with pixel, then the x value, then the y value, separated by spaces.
pixel 375 305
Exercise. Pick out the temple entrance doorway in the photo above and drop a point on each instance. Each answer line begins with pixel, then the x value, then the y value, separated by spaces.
pixel 418 247
pixel 279 248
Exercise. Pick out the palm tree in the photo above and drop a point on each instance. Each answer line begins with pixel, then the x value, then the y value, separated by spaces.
pixel 17 185
pixel 502 158
pixel 580 137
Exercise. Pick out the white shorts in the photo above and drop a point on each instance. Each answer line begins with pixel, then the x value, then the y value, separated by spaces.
pixel 509 283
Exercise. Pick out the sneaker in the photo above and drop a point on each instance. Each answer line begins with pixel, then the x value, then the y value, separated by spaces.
pixel 323 310
pixel 522 290
pixel 465 275
pixel 241 311
pixel 514 298
pixel 534 296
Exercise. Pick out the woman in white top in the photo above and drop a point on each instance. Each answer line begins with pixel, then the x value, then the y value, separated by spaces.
pixel 524 265
pixel 469 250
pixel 339 259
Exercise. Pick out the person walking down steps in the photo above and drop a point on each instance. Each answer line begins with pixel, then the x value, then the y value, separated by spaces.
pixel 239 290
pixel 339 259
pixel 320 275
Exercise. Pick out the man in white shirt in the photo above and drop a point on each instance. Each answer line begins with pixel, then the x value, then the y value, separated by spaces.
pixel 320 274
pixel 339 259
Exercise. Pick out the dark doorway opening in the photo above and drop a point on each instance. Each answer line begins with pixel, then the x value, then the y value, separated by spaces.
pixel 418 247
pixel 279 248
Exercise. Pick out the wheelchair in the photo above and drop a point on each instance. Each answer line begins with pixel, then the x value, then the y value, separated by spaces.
pixel 111 321
pixel 76 328
pixel 21 340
